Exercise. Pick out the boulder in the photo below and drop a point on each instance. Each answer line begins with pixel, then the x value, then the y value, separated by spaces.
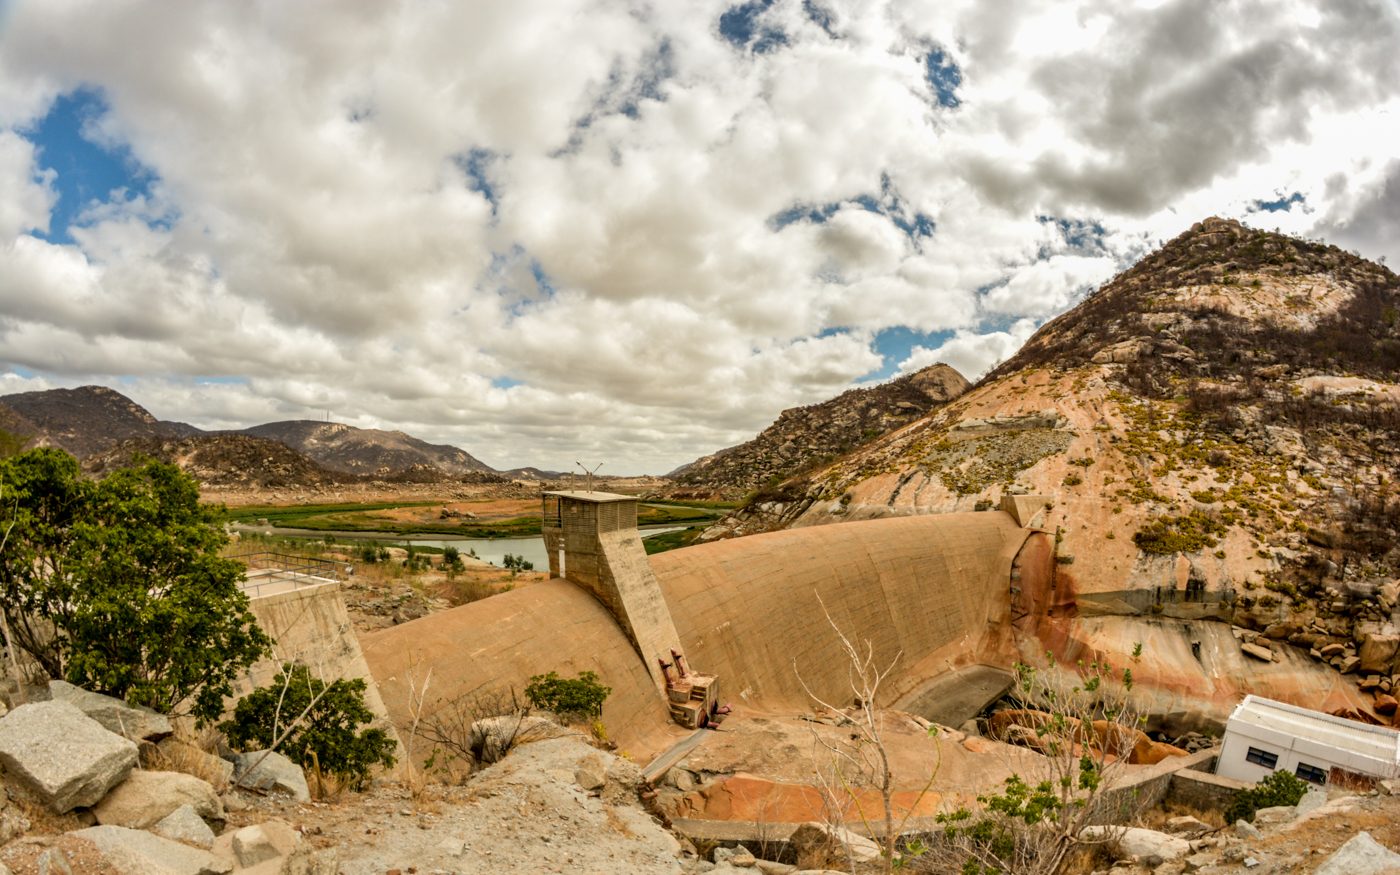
pixel 1258 652
pixel 1187 826
pixel 1361 855
pixel 270 773
pixel 1386 703
pixel 1274 815
pixel 63 755
pixel 1377 652
pixel 135 852
pixel 1246 830
pixel 817 844
pixel 271 848
pixel 145 798
pixel 185 825
pixel 1138 843
pixel 137 724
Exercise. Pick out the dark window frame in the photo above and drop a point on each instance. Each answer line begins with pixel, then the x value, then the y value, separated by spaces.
pixel 1261 757
pixel 1311 773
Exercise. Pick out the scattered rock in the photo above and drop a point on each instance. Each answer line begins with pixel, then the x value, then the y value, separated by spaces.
pixel 137 724
pixel 1386 704
pixel 145 798
pixel 590 777
pixel 1138 842
pixel 136 852
pixel 1246 830
pixel 185 825
pixel 1378 651
pixel 1361 855
pixel 263 842
pixel 270 773
pixel 1312 800
pixel 1187 826
pixel 819 843
pixel 1257 651
pixel 66 757
pixel 1274 815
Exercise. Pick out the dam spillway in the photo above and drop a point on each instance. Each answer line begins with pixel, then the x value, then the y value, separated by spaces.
pixel 930 593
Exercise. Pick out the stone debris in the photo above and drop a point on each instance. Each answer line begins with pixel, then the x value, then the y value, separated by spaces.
pixel 185 825
pixel 137 852
pixel 1361 855
pixel 823 844
pixel 270 772
pixel 145 798
pixel 137 724
pixel 1137 843
pixel 68 759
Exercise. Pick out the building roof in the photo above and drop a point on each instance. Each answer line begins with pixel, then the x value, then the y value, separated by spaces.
pixel 596 497
pixel 1376 742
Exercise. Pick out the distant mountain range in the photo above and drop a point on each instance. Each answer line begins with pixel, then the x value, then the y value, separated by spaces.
pixel 105 429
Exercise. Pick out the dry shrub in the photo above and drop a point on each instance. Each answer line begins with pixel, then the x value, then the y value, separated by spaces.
pixel 189 751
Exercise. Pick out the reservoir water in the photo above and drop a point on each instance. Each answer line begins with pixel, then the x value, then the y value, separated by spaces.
pixel 494 550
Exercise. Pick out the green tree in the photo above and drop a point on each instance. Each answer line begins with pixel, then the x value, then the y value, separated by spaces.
pixel 315 723
pixel 118 586
pixel 582 696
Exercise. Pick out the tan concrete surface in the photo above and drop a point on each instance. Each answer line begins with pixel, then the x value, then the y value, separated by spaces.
pixel 495 645
pixel 932 591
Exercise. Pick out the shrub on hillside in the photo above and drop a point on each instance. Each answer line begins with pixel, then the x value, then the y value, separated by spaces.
pixel 1280 788
pixel 580 697
pixel 320 722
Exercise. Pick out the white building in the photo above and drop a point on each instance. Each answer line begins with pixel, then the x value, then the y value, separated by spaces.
pixel 1264 736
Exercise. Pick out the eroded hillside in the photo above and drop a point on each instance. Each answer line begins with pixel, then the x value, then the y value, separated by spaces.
pixel 1214 431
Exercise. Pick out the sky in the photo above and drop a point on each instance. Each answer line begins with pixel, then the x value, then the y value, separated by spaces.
pixel 632 232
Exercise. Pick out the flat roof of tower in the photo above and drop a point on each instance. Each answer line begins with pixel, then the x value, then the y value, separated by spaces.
pixel 597 497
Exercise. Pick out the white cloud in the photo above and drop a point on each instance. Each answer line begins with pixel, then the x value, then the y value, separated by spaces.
pixel 970 353
pixel 326 243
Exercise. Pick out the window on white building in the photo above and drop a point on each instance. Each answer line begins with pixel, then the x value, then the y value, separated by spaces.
pixel 1311 773
pixel 1262 758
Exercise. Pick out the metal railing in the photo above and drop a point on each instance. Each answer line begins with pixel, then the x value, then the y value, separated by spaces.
pixel 283 571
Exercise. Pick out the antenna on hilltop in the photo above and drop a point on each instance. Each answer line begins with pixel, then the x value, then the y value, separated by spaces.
pixel 589 473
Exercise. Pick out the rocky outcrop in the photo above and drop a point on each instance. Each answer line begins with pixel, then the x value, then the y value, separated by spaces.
pixel 65 757
pixel 1361 855
pixel 136 724
pixel 270 772
pixel 804 436
pixel 145 798
pixel 136 852
pixel 185 825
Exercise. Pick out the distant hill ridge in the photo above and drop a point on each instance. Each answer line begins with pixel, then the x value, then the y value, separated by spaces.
pixel 105 428
pixel 803 437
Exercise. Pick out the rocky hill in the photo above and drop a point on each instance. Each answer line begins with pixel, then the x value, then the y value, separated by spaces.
pixel 367 451
pixel 83 421
pixel 806 437
pixel 222 461
pixel 1214 433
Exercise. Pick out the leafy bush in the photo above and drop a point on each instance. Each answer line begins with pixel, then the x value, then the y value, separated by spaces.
pixel 323 720
pixel 117 585
pixel 578 698
pixel 451 559
pixel 1280 788
pixel 517 563
pixel 1186 533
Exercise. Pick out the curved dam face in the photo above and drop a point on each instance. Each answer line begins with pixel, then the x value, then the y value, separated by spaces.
pixel 930 593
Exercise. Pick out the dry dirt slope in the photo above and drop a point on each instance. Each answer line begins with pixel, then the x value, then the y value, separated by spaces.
pixel 1216 424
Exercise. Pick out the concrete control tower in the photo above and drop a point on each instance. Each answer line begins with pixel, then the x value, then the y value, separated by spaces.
pixel 593 542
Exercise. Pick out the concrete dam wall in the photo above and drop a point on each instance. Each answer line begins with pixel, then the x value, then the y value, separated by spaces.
pixel 933 591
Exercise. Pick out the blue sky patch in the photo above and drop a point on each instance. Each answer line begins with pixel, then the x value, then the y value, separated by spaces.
pixel 944 78
pixel 895 344
pixel 1280 205
pixel 1084 237
pixel 821 17
pixel 476 164
pixel 916 225
pixel 505 382
pixel 86 171
pixel 743 27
